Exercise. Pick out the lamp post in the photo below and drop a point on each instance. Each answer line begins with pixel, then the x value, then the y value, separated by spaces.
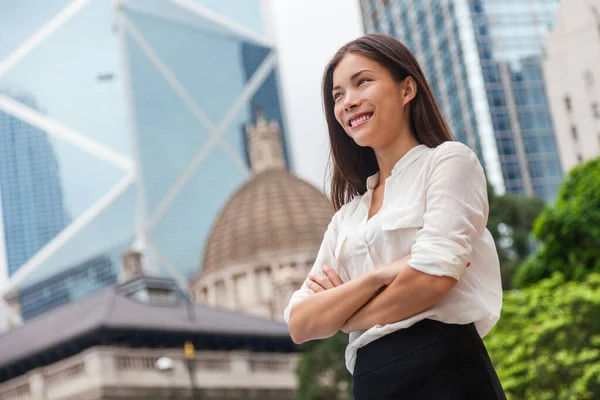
pixel 165 365
pixel 190 356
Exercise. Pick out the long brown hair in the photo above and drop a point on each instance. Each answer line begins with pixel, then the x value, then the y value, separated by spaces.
pixel 351 164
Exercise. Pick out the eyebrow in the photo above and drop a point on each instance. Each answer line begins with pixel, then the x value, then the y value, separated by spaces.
pixel 353 77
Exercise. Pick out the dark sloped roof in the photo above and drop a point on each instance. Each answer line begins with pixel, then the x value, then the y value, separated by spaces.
pixel 110 309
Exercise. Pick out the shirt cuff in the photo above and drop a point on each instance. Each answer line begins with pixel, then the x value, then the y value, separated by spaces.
pixel 439 256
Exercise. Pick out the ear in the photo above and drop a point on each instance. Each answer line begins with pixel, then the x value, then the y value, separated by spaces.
pixel 410 89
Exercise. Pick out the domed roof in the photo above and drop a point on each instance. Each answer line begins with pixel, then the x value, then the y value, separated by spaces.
pixel 273 212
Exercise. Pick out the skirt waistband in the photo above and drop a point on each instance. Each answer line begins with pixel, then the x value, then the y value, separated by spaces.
pixel 406 341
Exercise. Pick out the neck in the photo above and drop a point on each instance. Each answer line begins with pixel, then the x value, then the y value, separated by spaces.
pixel 390 155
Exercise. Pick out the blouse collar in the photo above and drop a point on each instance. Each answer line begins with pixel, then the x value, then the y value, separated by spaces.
pixel 407 159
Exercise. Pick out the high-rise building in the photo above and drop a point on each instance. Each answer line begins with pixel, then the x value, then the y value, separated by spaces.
pixel 33 210
pixel 146 103
pixel 572 71
pixel 483 61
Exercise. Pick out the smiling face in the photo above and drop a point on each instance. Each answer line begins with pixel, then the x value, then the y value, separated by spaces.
pixel 368 102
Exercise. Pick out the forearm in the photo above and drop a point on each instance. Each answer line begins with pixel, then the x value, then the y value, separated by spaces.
pixel 409 294
pixel 323 314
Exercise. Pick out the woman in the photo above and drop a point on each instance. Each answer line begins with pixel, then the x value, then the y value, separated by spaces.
pixel 407 266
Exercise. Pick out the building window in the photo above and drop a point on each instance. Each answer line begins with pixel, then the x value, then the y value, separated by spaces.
pixel 568 103
pixel 574 132
pixel 579 157
pixel 596 110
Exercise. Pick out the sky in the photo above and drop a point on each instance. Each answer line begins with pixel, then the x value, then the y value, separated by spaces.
pixel 307 34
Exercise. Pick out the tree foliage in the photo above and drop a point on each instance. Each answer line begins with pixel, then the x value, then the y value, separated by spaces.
pixel 321 371
pixel 547 342
pixel 510 222
pixel 568 231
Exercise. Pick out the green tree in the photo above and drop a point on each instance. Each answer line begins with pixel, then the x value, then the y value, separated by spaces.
pixel 510 222
pixel 322 372
pixel 568 231
pixel 547 342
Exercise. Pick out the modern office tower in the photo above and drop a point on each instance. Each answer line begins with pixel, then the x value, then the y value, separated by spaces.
pixel 483 59
pixel 143 104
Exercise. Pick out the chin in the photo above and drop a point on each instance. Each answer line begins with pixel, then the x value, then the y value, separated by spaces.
pixel 363 139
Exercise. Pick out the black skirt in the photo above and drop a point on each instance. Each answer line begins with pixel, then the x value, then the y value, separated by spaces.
pixel 429 360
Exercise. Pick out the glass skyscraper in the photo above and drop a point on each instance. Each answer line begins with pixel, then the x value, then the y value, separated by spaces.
pixel 145 104
pixel 483 61
pixel 32 199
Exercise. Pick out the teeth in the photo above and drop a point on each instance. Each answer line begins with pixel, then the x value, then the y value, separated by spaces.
pixel 359 120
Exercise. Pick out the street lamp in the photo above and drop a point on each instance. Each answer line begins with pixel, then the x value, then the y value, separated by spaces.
pixel 166 365
pixel 190 355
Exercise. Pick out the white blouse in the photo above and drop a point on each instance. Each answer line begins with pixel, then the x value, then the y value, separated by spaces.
pixel 435 207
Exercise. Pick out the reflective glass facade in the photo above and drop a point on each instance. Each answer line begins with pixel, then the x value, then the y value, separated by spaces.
pixel 482 59
pixel 430 31
pixel 510 40
pixel 71 284
pixel 32 199
pixel 143 104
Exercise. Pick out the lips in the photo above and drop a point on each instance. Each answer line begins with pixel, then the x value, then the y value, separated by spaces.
pixel 359 119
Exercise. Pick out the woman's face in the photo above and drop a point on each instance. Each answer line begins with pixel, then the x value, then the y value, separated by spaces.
pixel 369 103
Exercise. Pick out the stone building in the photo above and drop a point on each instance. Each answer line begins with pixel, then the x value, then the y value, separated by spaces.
pixel 127 342
pixel 266 238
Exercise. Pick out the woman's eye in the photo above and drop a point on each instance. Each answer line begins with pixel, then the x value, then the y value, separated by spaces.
pixel 362 80
pixel 337 96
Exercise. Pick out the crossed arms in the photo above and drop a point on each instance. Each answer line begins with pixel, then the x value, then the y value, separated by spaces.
pixel 456 211
pixel 355 305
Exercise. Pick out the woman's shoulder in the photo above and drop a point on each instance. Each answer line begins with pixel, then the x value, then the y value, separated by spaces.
pixel 454 153
pixel 453 148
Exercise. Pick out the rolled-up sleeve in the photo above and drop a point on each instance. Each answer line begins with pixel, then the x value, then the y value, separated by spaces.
pixel 325 256
pixel 456 212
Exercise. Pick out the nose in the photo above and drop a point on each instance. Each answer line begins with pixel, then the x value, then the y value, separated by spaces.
pixel 350 102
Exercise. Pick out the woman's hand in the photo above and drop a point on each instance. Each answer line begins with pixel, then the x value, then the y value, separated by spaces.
pixel 318 283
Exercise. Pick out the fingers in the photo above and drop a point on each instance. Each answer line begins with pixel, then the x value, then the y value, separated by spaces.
pixel 322 281
pixel 334 278
pixel 313 286
pixel 317 283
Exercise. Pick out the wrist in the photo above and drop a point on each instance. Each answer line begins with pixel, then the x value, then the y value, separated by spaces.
pixel 375 278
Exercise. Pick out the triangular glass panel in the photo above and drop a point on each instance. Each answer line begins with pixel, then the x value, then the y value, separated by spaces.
pixel 112 228
pixel 246 13
pixel 21 19
pixel 183 231
pixel 166 12
pixel 75 77
pixel 169 134
pixel 266 101
pixel 212 68
pixel 46 184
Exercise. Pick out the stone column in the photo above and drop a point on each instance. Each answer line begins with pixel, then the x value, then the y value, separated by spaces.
pixel 37 386
pixel 230 292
